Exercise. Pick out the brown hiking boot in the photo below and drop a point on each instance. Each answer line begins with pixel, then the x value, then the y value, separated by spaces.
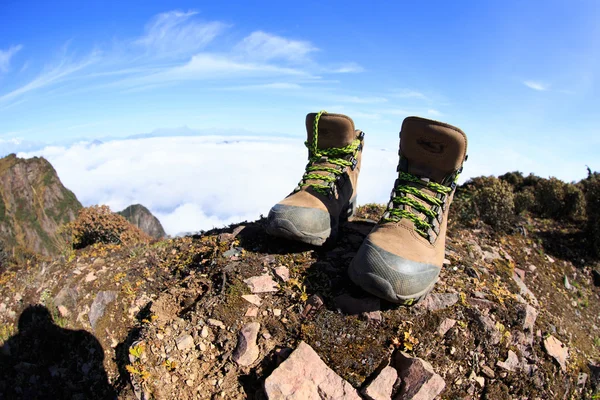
pixel 401 258
pixel 327 191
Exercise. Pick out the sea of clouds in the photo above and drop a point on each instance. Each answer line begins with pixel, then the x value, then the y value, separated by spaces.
pixel 194 183
pixel 197 183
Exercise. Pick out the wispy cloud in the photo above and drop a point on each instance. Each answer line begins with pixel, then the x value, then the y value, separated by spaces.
pixel 268 86
pixel 409 94
pixel 176 33
pixel 52 75
pixel 6 55
pixel 263 46
pixel 348 68
pixel 536 85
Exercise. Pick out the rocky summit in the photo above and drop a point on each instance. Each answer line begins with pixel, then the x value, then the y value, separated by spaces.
pixel 34 204
pixel 140 216
pixel 234 313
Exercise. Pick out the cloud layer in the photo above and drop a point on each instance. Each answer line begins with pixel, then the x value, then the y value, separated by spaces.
pixel 199 182
pixel 196 183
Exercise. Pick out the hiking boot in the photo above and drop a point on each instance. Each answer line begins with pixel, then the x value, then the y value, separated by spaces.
pixel 327 192
pixel 401 258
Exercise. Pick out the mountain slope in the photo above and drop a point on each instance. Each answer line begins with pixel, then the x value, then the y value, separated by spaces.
pixel 141 217
pixel 33 205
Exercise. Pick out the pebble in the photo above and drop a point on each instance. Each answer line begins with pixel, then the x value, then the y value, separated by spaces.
pixel 445 326
pixel 216 322
pixel 282 273
pixel 382 386
pixel 205 332
pixel 556 349
pixel 184 342
pixel 252 299
pixel 252 312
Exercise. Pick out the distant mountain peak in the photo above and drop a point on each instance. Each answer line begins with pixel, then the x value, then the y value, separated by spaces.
pixel 141 217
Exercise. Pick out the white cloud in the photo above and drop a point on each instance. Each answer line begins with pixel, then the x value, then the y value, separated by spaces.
pixel 52 75
pixel 274 86
pixel 348 68
pixel 194 183
pixel 264 46
pixel 433 112
pixel 177 33
pixel 200 182
pixel 6 55
pixel 409 94
pixel 535 85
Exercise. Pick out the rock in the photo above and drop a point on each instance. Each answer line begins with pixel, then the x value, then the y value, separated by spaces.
pixel 252 299
pixel 446 262
pixel 247 350
pixel 419 380
pixel 530 317
pixel 184 342
pixel 531 268
pixel 374 316
pixel 204 332
pixel 102 299
pixel 313 303
pixel 251 312
pixel 261 284
pixel 582 379
pixel 567 284
pixel 353 306
pixel 216 322
pixel 481 304
pixel 487 371
pixel 445 326
pixel 437 301
pixel 382 386
pixel 524 290
pixel 550 259
pixel 90 277
pixel 557 350
pixel 303 375
pixel 277 312
pixel 490 256
pixel 63 311
pixel 480 380
pixel 98 262
pixel 490 328
pixel 283 273
pixel 520 273
pixel 233 252
pixel 511 363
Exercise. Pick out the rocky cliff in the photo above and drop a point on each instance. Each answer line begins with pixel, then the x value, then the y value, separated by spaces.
pixel 33 205
pixel 141 217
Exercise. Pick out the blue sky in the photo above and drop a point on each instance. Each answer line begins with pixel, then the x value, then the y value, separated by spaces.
pixel 521 79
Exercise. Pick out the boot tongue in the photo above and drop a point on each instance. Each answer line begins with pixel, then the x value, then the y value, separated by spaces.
pixel 431 149
pixel 335 130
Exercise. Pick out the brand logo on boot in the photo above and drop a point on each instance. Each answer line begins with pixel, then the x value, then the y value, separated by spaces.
pixel 433 147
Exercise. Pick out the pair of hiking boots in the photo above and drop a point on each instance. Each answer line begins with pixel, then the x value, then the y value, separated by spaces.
pixel 401 258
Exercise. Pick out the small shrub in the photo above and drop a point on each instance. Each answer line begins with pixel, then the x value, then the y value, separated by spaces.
pixel 593 213
pixel 462 208
pixel 550 197
pixel 515 179
pixel 97 224
pixel 559 200
pixel 525 200
pixel 574 207
pixel 494 203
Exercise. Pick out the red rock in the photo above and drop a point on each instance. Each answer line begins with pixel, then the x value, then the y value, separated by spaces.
pixel 445 326
pixel 382 386
pixel 261 284
pixel 419 380
pixel 437 301
pixel 252 299
pixel 247 350
pixel 303 375
pixel 511 363
pixel 283 273
pixel 556 349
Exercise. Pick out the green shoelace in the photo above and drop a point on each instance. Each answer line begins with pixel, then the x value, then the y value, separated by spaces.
pixel 400 198
pixel 318 157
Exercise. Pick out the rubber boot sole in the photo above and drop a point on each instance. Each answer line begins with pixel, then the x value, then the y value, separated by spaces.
pixel 284 228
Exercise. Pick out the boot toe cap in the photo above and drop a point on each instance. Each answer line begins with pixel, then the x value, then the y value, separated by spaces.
pixel 391 276
pixel 310 225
